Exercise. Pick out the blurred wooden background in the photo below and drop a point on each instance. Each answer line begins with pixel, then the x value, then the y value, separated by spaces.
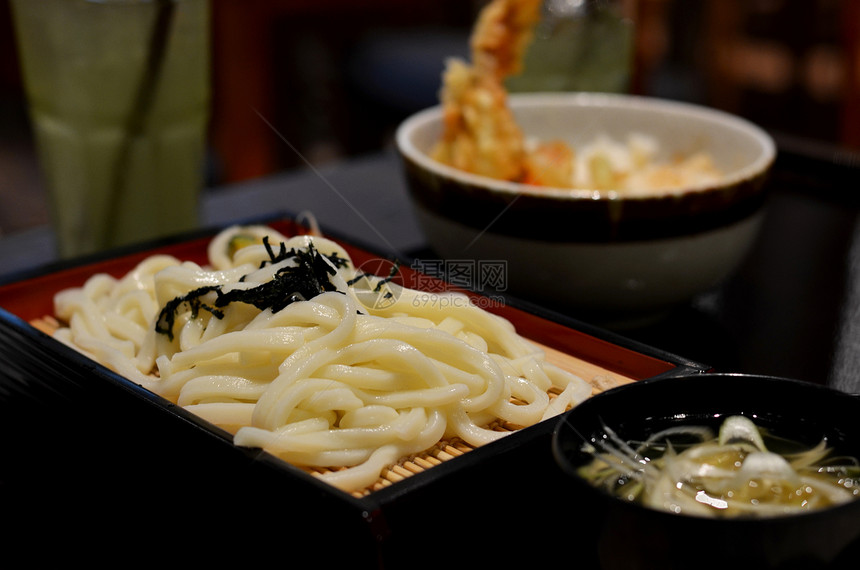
pixel 299 82
pixel 791 66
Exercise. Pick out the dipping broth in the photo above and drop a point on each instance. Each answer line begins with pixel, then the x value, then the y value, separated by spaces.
pixel 730 466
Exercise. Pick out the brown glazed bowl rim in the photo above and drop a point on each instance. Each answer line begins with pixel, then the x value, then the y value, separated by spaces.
pixel 753 169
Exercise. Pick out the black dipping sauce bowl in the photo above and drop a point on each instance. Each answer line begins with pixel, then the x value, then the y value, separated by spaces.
pixel 619 534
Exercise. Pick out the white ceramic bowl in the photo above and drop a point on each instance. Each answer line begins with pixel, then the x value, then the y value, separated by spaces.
pixel 605 255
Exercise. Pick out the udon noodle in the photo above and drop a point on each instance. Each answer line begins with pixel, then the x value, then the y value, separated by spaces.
pixel 285 344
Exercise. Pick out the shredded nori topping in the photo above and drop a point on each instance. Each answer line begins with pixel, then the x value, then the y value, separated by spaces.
pixel 392 273
pixel 310 277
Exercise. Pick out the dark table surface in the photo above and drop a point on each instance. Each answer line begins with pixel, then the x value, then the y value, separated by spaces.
pixel 792 309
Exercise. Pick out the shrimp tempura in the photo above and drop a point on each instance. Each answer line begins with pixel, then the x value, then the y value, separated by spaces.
pixel 480 134
pixel 501 36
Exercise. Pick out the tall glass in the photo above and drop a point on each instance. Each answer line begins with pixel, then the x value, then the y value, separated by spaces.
pixel 118 94
pixel 579 45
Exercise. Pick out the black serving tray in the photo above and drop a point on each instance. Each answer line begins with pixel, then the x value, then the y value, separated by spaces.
pixel 92 462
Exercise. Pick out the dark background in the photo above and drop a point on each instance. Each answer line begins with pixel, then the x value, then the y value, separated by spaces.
pixel 335 77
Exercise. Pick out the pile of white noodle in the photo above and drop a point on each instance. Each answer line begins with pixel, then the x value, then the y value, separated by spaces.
pixel 338 380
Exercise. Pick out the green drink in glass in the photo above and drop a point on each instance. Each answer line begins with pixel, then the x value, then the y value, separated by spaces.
pixel 118 94
pixel 579 45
